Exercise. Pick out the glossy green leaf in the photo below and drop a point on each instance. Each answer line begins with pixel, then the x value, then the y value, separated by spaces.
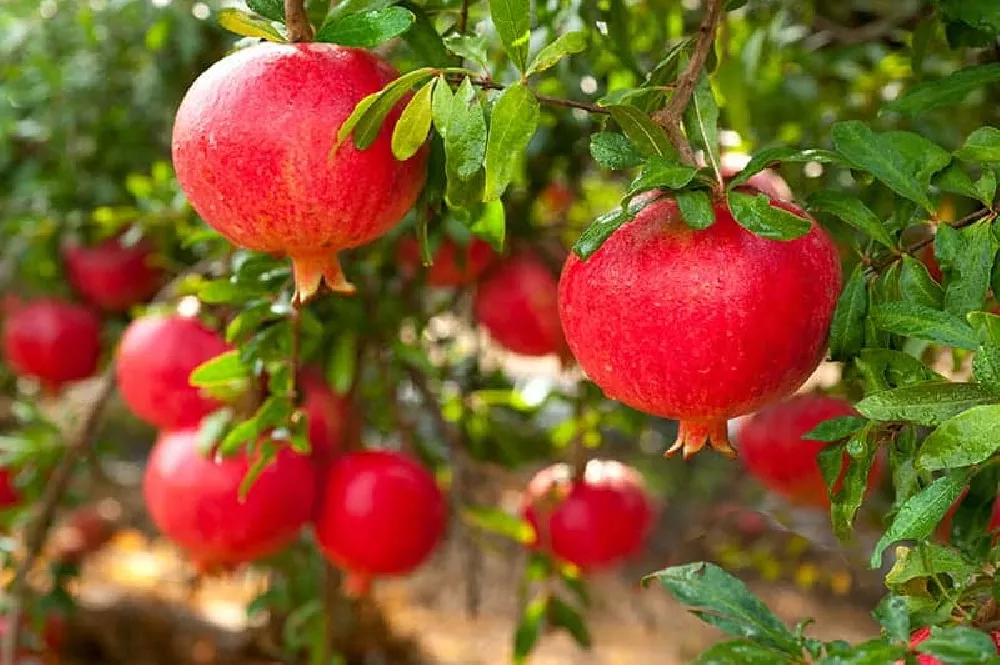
pixel 658 172
pixel 892 614
pixel 565 44
pixel 342 362
pixel 929 560
pixel 955 180
pixel 986 325
pixel 696 208
pixel 498 522
pixel 872 652
pixel 212 428
pixel 911 320
pixel 835 429
pixel 512 19
pixel 529 628
pixel 269 9
pixel 701 121
pixel 223 368
pixel 414 124
pixel 465 139
pixel 614 151
pixel 247 24
pixel 885 368
pixel 958 644
pixel 861 449
pixel 924 157
pixel 852 211
pixel 470 47
pixel 847 326
pixel 920 515
pixel 562 615
pixel 367 29
pixel 951 89
pixel 423 39
pixel 491 225
pixel 983 145
pixel 647 137
pixel 367 117
pixel 924 403
pixel 966 257
pixel 769 156
pixel 601 229
pixel 986 368
pixel 741 652
pixel 755 213
pixel 968 438
pixel 512 124
pixel 916 284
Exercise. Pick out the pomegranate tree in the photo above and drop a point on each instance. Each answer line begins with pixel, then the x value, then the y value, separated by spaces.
pixel 327 414
pixel 380 514
pixel 193 499
pixel 517 304
pixel 112 275
pixel 284 185
pixel 53 341
pixel 592 522
pixel 453 265
pixel 699 326
pixel 155 359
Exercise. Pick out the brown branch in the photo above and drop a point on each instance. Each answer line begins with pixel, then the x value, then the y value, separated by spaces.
pixel 297 21
pixel 488 84
pixel 463 18
pixel 670 116
pixel 968 220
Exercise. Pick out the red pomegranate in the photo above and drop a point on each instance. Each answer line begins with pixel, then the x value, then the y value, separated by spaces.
pixel 111 275
pixel 8 492
pixel 767 181
pixel 773 451
pixel 381 514
pixel 453 265
pixel 253 146
pixel 594 522
pixel 327 414
pixel 926 255
pixel 921 634
pixel 53 341
pixel 517 304
pixel 155 359
pixel 699 326
pixel 194 500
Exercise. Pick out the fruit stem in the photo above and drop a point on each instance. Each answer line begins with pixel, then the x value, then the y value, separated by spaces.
pixel 297 21
pixel 311 271
pixel 692 435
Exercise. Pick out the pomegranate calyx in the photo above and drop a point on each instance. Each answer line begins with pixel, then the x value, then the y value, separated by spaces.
pixel 311 271
pixel 693 435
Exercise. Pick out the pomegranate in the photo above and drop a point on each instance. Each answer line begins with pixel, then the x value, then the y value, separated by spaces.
pixel 943 531
pixel 327 414
pixel 381 514
pixel 593 522
pixel 155 359
pixel 453 265
pixel 517 304
pixel 53 341
pixel 194 500
pixel 921 634
pixel 699 326
pixel 253 146
pixel 774 452
pixel 926 255
pixel 111 275
pixel 8 492
pixel 767 181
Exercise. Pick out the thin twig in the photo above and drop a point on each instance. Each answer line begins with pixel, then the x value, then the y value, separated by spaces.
pixel 670 116
pixel 968 220
pixel 544 99
pixel 297 21
pixel 463 18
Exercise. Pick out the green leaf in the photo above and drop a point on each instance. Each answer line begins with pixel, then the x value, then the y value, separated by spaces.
pixel 414 124
pixel 342 362
pixel 955 180
pixel 962 644
pixel 755 213
pixel 512 124
pixel 212 427
pixel 986 187
pixel 852 211
pixel 491 225
pixel 835 429
pixel 658 172
pixel 986 368
pixel 465 141
pixel 968 438
pixel 696 208
pixel 562 615
pixel 499 522
pixel 928 560
pixel 847 327
pixel 872 652
pixel 951 89
pixel 512 19
pixel 367 117
pixel 861 448
pixel 701 120
pixel 224 291
pixel 723 601
pixel 601 229
pixel 918 517
pixel 248 25
pixel 868 151
pixel 910 320
pixel 917 286
pixel 648 137
pixel 967 266
pixel 571 42
pixel 424 40
pixel 925 157
pixel 224 368
pixel 983 145
pixel 470 47
pixel 986 325
pixel 368 29
pixel 614 151
pixel 924 403
pixel 884 368
pixel 616 16
pixel 769 156
pixel 892 614
pixel 269 9
pixel 741 652
pixel 529 628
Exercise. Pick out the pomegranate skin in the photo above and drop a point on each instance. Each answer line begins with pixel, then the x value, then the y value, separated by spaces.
pixel 112 276
pixel 327 415
pixel 155 359
pixel 773 451
pixel 699 326
pixel 8 493
pixel 381 514
pixel 517 304
pixel 53 341
pixel 253 145
pixel 592 523
pixel 453 265
pixel 194 500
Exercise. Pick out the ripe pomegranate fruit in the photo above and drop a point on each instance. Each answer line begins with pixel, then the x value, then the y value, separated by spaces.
pixel 253 148
pixel 111 275
pixel 921 634
pixel 517 304
pixel 8 492
pixel 593 522
pixel 767 181
pixel 194 500
pixel 699 326
pixel 773 451
pixel 327 414
pixel 53 341
pixel 381 514
pixel 453 265
pixel 155 359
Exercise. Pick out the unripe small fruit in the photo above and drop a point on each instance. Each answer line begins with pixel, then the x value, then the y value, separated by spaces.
pixel 111 275
pixel 773 451
pixel 453 265
pixel 155 359
pixel 327 414
pixel 594 522
pixel 194 500
pixel 53 341
pixel 517 304
pixel 381 514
